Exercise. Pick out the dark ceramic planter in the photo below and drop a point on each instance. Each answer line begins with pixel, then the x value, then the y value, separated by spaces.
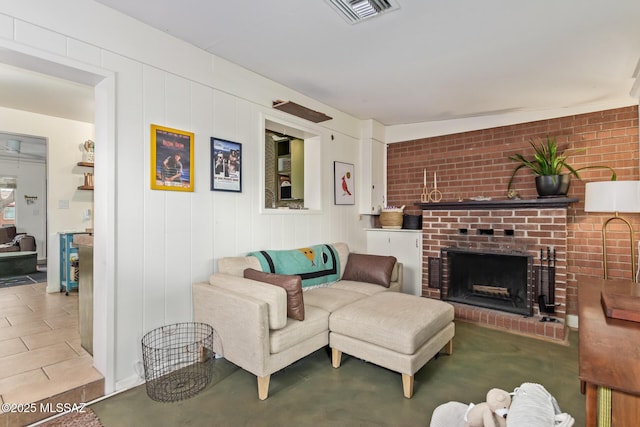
pixel 553 185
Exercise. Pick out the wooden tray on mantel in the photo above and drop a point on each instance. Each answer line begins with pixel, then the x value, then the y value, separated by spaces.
pixel 621 301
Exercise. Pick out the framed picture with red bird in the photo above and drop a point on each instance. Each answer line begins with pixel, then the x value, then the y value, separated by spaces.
pixel 344 186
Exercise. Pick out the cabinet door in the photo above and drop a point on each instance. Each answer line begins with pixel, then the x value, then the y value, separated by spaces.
pixel 407 248
pixel 379 243
pixel 378 169
pixel 372 158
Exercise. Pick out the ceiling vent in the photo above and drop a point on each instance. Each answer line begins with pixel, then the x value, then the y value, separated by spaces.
pixel 354 11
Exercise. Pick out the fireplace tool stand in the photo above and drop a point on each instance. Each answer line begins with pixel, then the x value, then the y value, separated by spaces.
pixel 546 284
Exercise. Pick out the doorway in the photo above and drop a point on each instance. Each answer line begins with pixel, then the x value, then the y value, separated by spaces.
pixel 8 186
pixel 23 187
pixel 100 87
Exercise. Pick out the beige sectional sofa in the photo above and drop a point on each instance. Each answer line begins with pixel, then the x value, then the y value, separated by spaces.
pixel 250 317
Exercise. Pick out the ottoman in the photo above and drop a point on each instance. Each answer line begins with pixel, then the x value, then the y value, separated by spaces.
pixel 397 331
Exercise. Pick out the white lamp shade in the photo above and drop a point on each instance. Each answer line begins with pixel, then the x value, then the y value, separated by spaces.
pixel 612 196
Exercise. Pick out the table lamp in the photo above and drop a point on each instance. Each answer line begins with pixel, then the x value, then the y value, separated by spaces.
pixel 617 197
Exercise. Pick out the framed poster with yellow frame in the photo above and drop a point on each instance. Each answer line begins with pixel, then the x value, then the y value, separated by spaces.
pixel 171 159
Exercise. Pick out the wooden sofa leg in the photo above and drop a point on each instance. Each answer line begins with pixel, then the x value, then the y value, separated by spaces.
pixel 336 357
pixel 407 385
pixel 263 387
pixel 448 347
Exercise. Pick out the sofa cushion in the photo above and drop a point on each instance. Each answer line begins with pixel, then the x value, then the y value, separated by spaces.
pixel 237 265
pixel 7 234
pixel 374 269
pixel 331 298
pixel 274 296
pixel 8 247
pixel 343 255
pixel 316 322
pixel 26 243
pixel 291 284
pixel 360 287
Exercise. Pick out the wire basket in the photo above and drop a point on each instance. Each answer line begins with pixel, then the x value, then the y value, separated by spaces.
pixel 178 360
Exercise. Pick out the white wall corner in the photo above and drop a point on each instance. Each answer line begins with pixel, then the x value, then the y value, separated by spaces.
pixel 635 89
pixel 373 129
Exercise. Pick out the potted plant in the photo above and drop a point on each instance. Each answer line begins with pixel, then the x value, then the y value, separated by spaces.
pixel 548 165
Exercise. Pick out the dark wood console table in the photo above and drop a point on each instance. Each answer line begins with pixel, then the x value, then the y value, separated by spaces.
pixel 609 358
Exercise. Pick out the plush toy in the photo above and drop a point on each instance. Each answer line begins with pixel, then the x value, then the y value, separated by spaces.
pixel 492 413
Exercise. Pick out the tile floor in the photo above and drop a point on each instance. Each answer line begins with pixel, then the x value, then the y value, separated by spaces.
pixel 41 359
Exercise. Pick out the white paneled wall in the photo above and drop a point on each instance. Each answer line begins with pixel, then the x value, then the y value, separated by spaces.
pixel 163 241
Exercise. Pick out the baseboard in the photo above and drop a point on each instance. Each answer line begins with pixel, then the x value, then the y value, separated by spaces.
pixel 121 387
pixel 129 382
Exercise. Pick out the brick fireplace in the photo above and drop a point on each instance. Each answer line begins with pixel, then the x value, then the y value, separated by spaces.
pixel 521 227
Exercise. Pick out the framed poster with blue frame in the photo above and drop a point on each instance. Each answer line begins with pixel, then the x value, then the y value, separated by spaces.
pixel 226 165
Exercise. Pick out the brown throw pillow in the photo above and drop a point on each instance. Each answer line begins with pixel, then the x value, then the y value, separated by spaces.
pixel 292 284
pixel 374 269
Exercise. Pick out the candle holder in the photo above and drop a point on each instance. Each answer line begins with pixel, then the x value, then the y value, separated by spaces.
pixel 435 195
pixel 424 198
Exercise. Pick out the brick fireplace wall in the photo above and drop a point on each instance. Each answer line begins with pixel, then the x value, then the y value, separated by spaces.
pixel 523 230
pixel 476 164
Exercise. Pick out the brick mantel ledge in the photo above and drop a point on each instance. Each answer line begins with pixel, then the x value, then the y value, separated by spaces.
pixel 541 203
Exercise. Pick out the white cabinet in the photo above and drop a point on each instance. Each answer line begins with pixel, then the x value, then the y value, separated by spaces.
pixel 406 246
pixel 373 162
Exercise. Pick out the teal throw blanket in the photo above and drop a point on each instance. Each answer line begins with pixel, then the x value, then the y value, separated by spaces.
pixel 316 265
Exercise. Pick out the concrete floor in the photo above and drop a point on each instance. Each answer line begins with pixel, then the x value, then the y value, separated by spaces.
pixel 311 393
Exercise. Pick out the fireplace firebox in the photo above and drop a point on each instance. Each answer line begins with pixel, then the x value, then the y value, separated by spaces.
pixel 495 280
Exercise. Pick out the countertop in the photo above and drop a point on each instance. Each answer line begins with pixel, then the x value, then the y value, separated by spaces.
pixel 83 240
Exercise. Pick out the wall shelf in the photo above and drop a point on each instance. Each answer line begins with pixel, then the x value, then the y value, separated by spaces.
pixel 300 111
pixel 86 165
pixel 542 203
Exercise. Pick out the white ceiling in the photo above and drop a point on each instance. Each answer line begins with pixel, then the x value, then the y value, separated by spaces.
pixel 430 60
pixel 22 89
pixel 40 93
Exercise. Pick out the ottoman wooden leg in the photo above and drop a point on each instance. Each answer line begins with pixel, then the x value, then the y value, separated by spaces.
pixel 407 385
pixel 263 387
pixel 336 356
